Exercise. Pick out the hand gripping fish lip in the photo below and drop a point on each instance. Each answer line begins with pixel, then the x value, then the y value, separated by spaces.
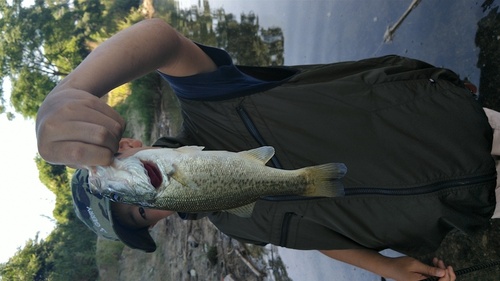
pixel 126 180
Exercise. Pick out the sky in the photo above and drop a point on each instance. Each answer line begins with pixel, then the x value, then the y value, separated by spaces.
pixel 25 203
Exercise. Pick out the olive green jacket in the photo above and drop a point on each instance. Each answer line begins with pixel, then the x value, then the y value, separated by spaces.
pixel 415 141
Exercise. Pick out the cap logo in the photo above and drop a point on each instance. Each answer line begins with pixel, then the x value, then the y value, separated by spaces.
pixel 95 221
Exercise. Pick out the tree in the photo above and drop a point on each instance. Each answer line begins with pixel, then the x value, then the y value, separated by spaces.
pixel 29 263
pixel 29 88
pixel 246 42
pixel 41 44
pixel 68 253
pixel 70 243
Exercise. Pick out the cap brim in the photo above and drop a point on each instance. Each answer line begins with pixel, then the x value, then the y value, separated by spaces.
pixel 134 238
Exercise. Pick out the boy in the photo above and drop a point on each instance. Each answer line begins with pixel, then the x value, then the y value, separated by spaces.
pixel 403 128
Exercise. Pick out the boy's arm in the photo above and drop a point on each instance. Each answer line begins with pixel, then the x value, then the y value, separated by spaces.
pixel 74 127
pixel 401 268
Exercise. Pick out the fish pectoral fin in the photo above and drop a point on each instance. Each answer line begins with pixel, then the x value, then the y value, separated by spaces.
pixel 262 154
pixel 190 148
pixel 178 176
pixel 244 211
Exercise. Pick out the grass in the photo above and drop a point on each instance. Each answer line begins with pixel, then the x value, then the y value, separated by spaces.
pixel 108 254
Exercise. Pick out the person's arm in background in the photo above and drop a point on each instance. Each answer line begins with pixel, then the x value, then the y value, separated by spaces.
pixel 401 268
pixel 74 127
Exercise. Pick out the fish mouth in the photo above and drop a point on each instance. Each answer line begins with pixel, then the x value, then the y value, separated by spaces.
pixel 153 172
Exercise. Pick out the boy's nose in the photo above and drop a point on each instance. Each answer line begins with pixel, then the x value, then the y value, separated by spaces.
pixel 127 143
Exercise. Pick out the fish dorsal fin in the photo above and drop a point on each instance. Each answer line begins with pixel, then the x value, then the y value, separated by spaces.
pixel 190 148
pixel 244 211
pixel 261 154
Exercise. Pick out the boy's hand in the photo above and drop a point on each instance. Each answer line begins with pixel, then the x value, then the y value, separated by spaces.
pixel 407 268
pixel 449 272
pixel 77 129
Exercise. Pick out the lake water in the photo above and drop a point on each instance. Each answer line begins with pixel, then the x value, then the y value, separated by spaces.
pixel 440 32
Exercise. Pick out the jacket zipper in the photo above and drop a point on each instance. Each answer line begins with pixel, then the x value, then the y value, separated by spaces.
pixel 430 188
pixel 254 132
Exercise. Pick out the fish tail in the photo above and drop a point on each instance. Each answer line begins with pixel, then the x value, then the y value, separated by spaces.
pixel 324 180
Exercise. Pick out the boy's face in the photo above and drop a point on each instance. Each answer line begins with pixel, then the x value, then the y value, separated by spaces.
pixel 136 217
pixel 130 215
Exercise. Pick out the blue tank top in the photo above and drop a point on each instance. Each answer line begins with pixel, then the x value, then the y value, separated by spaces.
pixel 228 81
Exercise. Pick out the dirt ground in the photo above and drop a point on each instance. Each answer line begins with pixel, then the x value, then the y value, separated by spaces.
pixel 195 250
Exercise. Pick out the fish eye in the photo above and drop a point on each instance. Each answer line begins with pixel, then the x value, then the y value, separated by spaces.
pixel 115 197
pixel 142 212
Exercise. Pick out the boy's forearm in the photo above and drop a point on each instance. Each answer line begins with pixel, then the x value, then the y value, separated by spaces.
pixel 129 54
pixel 400 268
pixel 363 258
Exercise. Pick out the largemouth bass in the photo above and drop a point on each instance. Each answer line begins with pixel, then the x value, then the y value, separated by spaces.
pixel 189 179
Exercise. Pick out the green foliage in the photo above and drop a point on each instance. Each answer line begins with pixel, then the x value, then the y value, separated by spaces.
pixel 133 17
pixel 24 265
pixel 193 23
pixel 52 176
pixel 29 263
pixel 115 12
pixel 70 244
pixel 108 253
pixel 72 252
pixel 143 100
pixel 41 42
pixel 28 89
pixel 242 40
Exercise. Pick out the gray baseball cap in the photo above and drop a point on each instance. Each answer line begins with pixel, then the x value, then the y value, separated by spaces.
pixel 95 211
